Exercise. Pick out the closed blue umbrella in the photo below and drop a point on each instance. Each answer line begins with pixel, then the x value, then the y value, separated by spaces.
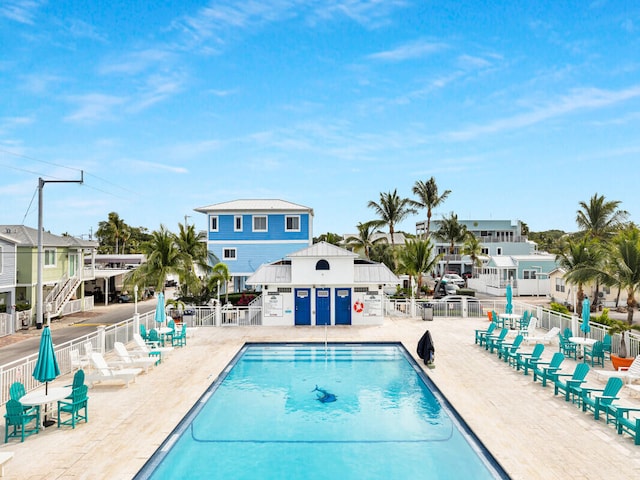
pixel 46 368
pixel 509 307
pixel 160 316
pixel 586 313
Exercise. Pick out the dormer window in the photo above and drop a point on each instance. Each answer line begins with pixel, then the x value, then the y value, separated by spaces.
pixel 322 265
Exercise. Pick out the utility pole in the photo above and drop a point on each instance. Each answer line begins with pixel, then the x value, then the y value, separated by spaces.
pixel 39 300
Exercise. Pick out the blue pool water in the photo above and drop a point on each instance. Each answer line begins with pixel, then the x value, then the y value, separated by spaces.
pixel 262 419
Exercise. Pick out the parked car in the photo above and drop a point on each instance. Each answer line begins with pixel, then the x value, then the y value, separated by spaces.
pixel 445 288
pixel 454 278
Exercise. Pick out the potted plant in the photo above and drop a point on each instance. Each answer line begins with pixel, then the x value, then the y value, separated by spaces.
pixel 621 327
pixel 176 310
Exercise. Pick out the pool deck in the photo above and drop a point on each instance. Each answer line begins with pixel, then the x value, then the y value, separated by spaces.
pixel 533 434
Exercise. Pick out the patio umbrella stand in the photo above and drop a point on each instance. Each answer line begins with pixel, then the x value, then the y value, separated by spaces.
pixel 46 368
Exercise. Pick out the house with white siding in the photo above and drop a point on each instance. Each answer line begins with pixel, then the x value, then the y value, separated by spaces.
pixel 323 285
pixel 244 234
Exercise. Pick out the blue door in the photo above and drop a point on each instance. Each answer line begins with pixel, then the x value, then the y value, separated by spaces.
pixel 343 306
pixel 323 306
pixel 303 306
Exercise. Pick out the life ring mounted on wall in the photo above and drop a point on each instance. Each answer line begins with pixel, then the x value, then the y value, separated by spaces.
pixel 358 306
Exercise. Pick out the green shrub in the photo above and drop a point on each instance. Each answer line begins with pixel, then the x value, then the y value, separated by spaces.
pixel 603 318
pixel 22 306
pixel 558 307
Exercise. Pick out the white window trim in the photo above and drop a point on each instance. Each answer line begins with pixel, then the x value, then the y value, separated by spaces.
pixel 1 253
pixel 286 217
pixel 235 223
pixel 55 257
pixel 229 249
pixel 211 229
pixel 266 223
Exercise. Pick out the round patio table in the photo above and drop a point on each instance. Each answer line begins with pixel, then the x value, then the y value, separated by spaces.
pixel 38 397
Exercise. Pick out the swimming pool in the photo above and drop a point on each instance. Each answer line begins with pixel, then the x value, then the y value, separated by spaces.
pixel 353 411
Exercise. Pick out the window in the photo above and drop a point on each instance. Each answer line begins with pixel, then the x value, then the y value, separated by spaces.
pixel 49 257
pixel 499 251
pixel 292 223
pixel 213 224
pixel 237 223
pixel 559 285
pixel 484 251
pixel 259 224
pixel 322 265
pixel 229 253
pixel 529 274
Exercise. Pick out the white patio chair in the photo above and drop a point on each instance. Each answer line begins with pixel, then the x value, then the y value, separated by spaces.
pixel 77 362
pixel 548 337
pixel 628 374
pixel 105 373
pixel 130 361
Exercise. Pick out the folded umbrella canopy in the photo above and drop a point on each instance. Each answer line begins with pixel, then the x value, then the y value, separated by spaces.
pixel 586 314
pixel 160 316
pixel 509 307
pixel 46 368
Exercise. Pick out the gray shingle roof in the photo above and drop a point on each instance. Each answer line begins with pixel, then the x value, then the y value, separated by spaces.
pixel 28 237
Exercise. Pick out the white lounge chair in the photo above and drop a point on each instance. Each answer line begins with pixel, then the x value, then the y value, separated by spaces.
pixel 548 337
pixel 131 361
pixel 151 350
pixel 530 330
pixel 77 362
pixel 105 373
pixel 628 374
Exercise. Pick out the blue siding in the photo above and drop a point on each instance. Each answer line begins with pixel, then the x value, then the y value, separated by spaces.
pixel 275 228
pixel 250 256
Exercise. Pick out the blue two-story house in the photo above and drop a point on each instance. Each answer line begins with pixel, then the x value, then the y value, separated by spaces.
pixel 244 234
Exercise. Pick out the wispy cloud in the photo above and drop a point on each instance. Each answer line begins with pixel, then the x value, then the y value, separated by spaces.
pixel 183 151
pixel 580 99
pixel 136 62
pixel 79 29
pixel 22 11
pixel 409 51
pixel 40 83
pixel 214 23
pixel 94 107
pixel 154 166
pixel 223 93
pixel 8 123
pixel 157 89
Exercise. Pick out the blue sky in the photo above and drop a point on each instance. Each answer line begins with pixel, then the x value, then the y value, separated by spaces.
pixel 522 109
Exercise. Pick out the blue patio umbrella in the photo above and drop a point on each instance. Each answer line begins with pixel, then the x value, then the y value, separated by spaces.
pixel 509 307
pixel 160 316
pixel 46 368
pixel 586 313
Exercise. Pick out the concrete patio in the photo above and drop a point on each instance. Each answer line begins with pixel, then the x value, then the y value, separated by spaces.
pixel 531 433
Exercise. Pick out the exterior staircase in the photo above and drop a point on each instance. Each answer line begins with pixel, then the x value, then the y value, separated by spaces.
pixel 61 294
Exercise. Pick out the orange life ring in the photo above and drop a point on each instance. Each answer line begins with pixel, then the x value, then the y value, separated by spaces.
pixel 358 306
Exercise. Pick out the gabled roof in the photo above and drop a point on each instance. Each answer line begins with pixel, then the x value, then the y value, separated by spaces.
pixel 365 272
pixel 255 205
pixel 28 237
pixel 322 249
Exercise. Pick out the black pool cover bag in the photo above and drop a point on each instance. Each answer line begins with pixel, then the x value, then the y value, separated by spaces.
pixel 426 350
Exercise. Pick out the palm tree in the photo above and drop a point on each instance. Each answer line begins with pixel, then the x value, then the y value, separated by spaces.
pixel 453 232
pixel 112 230
pixel 416 259
pixel 427 193
pixel 332 238
pixel 198 259
pixel 600 219
pixel 364 240
pixel 218 275
pixel 163 258
pixel 382 252
pixel 623 268
pixel 392 210
pixel 473 248
pixel 580 260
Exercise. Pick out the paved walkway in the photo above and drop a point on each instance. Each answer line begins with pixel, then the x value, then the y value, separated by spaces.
pixel 532 433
